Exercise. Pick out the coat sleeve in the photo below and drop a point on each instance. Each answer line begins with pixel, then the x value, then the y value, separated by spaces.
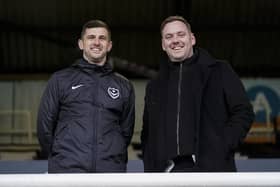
pixel 240 110
pixel 128 117
pixel 145 126
pixel 47 115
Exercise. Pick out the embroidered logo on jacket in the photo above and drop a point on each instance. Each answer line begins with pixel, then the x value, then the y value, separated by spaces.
pixel 113 92
pixel 77 86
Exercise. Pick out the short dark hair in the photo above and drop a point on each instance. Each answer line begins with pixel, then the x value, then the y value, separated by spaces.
pixel 175 18
pixel 95 24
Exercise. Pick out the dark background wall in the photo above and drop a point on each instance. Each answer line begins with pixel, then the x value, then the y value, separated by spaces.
pixel 40 36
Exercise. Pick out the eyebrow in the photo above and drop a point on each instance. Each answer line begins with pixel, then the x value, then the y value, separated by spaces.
pixel 99 36
pixel 174 33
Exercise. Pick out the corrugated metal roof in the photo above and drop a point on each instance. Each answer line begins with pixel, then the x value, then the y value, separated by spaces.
pixel 41 36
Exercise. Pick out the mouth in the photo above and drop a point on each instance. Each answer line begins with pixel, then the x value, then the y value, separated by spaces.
pixel 177 47
pixel 96 49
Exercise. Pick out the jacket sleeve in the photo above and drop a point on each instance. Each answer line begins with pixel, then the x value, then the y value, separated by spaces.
pixel 47 115
pixel 128 117
pixel 240 110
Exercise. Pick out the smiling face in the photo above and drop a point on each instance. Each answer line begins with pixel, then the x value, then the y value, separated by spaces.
pixel 95 44
pixel 177 41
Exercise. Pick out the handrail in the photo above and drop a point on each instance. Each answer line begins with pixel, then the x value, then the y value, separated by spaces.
pixel 254 179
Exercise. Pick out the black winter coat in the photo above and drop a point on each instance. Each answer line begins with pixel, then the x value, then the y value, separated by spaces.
pixel 221 112
pixel 86 119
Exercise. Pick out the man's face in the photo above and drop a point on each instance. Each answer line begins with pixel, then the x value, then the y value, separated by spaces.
pixel 95 44
pixel 177 41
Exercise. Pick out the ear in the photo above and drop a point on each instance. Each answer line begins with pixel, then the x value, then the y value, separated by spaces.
pixel 162 45
pixel 110 45
pixel 80 44
pixel 193 40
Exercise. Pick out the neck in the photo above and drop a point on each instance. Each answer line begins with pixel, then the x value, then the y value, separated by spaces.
pixel 97 62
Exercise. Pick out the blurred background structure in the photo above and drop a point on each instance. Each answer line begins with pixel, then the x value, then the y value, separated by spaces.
pixel 39 37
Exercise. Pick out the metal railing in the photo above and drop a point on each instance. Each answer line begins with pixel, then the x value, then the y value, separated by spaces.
pixel 27 130
pixel 259 179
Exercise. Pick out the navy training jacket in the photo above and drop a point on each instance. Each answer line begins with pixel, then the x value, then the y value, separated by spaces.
pixel 86 119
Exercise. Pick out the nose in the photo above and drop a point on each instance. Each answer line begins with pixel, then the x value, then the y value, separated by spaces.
pixel 96 41
pixel 175 39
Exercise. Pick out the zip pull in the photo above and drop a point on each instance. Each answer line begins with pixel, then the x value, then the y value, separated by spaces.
pixel 193 158
pixel 170 166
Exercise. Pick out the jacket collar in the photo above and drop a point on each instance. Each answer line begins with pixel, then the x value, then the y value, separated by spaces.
pixel 200 57
pixel 85 66
pixel 204 58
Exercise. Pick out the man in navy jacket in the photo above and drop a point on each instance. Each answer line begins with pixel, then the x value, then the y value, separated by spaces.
pixel 86 115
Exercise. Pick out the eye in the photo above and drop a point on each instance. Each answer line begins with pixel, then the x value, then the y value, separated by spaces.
pixel 181 34
pixel 102 37
pixel 90 37
pixel 168 36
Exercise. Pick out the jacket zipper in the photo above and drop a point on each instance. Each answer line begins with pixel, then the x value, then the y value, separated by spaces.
pixel 95 139
pixel 179 108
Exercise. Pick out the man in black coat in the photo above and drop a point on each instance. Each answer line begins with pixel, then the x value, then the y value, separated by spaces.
pixel 196 111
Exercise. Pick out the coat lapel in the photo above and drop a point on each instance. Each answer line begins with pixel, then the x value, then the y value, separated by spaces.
pixel 205 66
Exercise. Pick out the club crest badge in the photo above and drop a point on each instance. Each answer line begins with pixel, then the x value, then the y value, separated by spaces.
pixel 113 92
